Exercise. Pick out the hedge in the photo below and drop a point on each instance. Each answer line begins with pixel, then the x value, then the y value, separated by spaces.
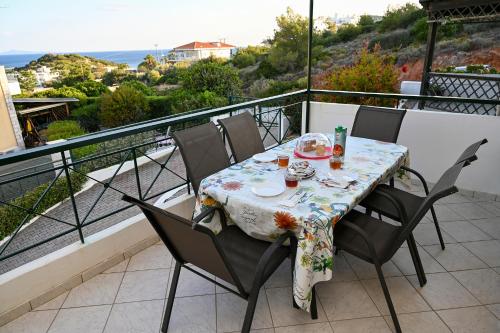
pixel 11 217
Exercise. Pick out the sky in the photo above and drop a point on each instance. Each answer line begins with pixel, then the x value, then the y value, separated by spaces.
pixel 106 25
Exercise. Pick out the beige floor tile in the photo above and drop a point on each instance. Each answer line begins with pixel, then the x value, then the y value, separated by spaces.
pixel 419 322
pixel 231 311
pixel 154 257
pixel 365 270
pixel 193 314
pixel 489 226
pixel 455 257
pixel 99 290
pixel 282 311
pixel 54 304
pixel 455 198
pixel 487 251
pixel 220 290
pixel 31 322
pixel 191 284
pixel 362 325
pixel 342 271
pixel 282 277
pixel 346 300
pixel 470 211
pixel 425 234
pixel 445 213
pixel 144 317
pixel 81 320
pixel 492 207
pixel 442 291
pixel 470 320
pixel 403 261
pixel 464 231
pixel 404 297
pixel 121 267
pixel 143 286
pixel 495 309
pixel 484 284
pixel 497 269
pixel 308 328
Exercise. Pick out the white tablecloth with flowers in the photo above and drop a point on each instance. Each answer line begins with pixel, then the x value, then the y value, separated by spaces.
pixel 313 220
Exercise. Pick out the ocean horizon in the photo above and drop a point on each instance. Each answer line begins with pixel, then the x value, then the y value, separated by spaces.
pixel 132 58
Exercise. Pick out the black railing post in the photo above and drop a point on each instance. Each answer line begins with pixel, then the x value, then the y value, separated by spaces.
pixel 137 178
pixel 429 56
pixel 72 196
pixel 309 62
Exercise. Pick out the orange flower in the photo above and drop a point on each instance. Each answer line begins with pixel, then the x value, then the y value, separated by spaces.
pixel 285 220
pixel 232 186
pixel 209 202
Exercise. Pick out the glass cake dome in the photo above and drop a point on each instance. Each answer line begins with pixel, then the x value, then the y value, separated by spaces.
pixel 313 146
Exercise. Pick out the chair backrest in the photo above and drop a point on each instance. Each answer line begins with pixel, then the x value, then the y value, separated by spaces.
pixel 203 152
pixel 445 186
pixel 469 154
pixel 188 242
pixel 243 135
pixel 378 123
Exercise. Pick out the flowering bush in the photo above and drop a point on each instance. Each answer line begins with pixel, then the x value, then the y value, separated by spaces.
pixel 371 72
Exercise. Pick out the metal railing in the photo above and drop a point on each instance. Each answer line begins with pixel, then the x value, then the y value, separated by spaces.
pixel 145 168
pixel 145 164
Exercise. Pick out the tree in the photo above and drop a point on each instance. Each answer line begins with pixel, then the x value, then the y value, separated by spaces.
pixel 213 75
pixel 92 88
pixel 400 17
pixel 122 107
pixel 27 81
pixel 139 86
pixel 348 32
pixel 366 23
pixel 116 76
pixel 148 64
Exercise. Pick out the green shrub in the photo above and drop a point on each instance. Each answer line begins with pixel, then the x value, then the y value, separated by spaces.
pixel 348 32
pixel 371 72
pixel 242 60
pixel 159 106
pixel 11 217
pixel 63 92
pixel 266 70
pixel 122 107
pixel 420 30
pixel 87 116
pixel 182 100
pixel 92 88
pixel 172 75
pixel 400 17
pixel 366 23
pixel 64 129
pixel 139 86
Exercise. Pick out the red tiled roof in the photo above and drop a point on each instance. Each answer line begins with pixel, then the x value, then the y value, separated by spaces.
pixel 204 45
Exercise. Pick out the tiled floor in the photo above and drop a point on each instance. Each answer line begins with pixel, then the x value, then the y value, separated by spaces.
pixel 462 293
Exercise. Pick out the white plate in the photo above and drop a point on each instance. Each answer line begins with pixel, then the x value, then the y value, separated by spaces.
pixel 268 189
pixel 265 157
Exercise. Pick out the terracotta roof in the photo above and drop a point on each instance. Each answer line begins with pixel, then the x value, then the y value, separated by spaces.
pixel 204 45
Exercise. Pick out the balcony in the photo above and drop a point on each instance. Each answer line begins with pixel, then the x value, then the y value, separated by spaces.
pixel 92 263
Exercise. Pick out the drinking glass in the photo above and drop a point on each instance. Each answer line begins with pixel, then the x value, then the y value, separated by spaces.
pixel 283 160
pixel 291 181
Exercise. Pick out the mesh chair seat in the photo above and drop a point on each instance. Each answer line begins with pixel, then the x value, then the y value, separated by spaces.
pixel 381 205
pixel 384 236
pixel 244 252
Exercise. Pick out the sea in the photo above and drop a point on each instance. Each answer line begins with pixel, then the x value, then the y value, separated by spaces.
pixel 132 58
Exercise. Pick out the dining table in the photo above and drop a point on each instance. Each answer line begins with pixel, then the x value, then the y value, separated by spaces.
pixel 310 210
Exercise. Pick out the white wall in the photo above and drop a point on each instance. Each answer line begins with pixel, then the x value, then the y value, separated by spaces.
pixel 435 140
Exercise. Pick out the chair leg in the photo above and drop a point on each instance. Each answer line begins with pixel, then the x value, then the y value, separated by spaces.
pixel 252 303
pixel 419 269
pixel 436 223
pixel 368 212
pixel 388 298
pixel 171 297
pixel 337 251
pixel 314 308
pixel 380 216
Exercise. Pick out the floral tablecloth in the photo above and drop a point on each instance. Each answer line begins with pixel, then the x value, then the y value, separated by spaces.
pixel 313 220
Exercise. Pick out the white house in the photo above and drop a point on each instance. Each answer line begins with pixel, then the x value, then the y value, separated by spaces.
pixel 200 50
pixel 44 75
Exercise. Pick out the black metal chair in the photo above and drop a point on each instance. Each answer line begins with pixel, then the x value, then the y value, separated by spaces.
pixel 231 255
pixel 377 241
pixel 378 123
pixel 203 152
pixel 243 135
pixel 409 200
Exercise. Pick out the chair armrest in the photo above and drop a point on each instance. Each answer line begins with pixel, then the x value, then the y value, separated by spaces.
pixel 400 208
pixel 364 235
pixel 211 211
pixel 419 176
pixel 264 260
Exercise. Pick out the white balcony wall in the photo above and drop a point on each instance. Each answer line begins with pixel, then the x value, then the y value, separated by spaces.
pixel 435 140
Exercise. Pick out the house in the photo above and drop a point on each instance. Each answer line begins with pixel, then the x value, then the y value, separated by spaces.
pixel 44 75
pixel 200 50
